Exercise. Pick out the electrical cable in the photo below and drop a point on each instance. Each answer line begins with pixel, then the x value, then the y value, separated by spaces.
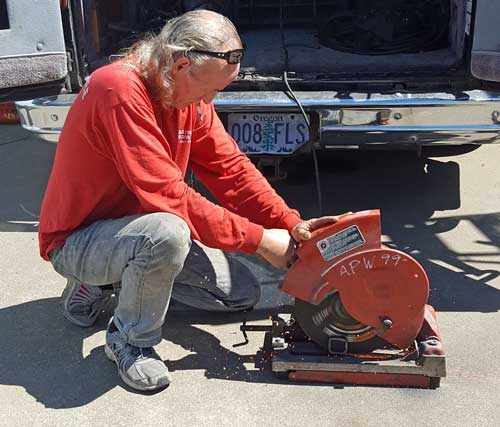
pixel 301 108
pixel 314 155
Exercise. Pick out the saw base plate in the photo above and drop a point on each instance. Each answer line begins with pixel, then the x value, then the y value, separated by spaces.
pixel 297 358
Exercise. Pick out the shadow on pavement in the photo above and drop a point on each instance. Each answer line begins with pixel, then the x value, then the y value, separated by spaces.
pixel 408 191
pixel 455 284
pixel 43 353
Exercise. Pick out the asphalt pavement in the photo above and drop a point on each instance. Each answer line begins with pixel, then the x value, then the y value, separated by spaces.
pixel 444 211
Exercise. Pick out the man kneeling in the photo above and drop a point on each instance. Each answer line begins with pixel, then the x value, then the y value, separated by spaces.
pixel 118 213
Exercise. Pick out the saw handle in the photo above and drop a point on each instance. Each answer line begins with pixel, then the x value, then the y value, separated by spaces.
pixel 294 256
pixel 322 228
pixel 366 222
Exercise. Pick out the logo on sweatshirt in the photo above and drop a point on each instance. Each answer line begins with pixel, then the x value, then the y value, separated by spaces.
pixel 85 90
pixel 184 136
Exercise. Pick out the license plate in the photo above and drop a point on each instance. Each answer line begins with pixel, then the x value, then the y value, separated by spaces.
pixel 266 133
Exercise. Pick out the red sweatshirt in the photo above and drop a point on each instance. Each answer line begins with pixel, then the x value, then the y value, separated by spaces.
pixel 122 154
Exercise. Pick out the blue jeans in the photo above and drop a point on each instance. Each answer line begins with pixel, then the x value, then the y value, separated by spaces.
pixel 146 254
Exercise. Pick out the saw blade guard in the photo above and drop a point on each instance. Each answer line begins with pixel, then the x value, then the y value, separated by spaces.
pixel 380 287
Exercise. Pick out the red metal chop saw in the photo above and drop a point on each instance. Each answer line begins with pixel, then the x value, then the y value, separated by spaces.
pixel 360 314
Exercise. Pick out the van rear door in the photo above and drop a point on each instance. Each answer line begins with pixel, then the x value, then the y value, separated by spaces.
pixel 485 60
pixel 33 60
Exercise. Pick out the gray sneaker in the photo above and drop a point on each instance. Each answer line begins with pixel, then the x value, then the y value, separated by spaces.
pixel 83 303
pixel 139 367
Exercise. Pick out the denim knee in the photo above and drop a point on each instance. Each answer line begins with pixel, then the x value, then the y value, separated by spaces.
pixel 246 290
pixel 168 236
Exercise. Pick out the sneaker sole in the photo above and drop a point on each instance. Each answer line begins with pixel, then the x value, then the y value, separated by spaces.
pixel 109 354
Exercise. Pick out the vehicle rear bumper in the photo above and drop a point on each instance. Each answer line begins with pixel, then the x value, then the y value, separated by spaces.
pixel 45 116
pixel 339 120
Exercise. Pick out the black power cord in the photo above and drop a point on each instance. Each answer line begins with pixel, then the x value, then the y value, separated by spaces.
pixel 313 151
pixel 291 93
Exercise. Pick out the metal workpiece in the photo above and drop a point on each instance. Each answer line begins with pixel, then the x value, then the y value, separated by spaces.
pixel 431 366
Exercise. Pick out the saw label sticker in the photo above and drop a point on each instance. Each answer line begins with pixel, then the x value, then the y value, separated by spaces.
pixel 340 243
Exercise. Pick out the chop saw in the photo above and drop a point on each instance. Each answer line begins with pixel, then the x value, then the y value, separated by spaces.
pixel 360 315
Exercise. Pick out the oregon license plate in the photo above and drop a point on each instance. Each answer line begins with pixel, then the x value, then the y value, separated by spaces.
pixel 268 133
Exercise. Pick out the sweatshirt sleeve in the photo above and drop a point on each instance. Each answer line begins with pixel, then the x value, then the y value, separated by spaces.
pixel 232 178
pixel 144 162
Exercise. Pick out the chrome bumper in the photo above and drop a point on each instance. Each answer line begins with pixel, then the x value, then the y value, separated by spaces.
pixel 339 120
pixel 45 116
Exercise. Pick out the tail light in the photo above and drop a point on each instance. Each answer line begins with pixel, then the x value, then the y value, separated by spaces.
pixel 8 113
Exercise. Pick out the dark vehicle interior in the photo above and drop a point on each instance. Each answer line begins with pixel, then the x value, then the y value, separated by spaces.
pixel 308 37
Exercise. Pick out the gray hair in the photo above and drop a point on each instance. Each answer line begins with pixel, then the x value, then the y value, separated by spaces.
pixel 154 56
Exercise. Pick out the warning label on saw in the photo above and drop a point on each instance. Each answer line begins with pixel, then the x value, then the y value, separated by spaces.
pixel 340 243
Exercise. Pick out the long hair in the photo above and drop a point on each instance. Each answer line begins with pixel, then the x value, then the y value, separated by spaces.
pixel 154 56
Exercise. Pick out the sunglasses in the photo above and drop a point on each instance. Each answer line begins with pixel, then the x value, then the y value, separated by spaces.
pixel 231 56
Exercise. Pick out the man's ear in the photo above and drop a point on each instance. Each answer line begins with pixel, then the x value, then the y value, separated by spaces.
pixel 181 65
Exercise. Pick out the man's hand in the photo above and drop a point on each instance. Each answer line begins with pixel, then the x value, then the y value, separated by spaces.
pixel 303 230
pixel 276 247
